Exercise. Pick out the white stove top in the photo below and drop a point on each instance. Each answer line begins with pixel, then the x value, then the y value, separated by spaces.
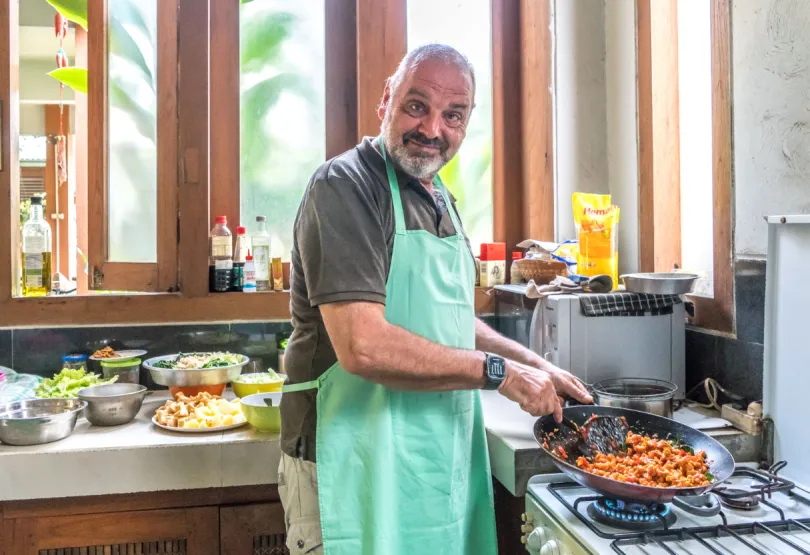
pixel 563 533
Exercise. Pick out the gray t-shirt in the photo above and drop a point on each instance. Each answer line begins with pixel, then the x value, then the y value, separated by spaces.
pixel 342 244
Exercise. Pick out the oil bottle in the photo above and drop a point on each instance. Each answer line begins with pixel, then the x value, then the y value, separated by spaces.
pixel 36 253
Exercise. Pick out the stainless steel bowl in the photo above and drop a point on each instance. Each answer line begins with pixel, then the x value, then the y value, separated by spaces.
pixel 190 378
pixel 112 404
pixel 660 283
pixel 646 395
pixel 38 421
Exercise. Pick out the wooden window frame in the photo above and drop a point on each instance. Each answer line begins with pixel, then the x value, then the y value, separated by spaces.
pixel 132 276
pixel 198 173
pixel 659 171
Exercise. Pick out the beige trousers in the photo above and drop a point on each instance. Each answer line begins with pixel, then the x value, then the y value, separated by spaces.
pixel 298 489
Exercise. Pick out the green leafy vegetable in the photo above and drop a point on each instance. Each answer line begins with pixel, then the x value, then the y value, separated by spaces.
pixel 200 361
pixel 259 377
pixel 67 383
pixel 709 476
pixel 283 344
pixel 73 77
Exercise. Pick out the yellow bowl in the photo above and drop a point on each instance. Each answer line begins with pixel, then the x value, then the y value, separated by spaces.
pixel 245 389
pixel 262 411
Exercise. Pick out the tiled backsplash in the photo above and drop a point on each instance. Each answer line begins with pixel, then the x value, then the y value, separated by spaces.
pixel 39 351
pixel 735 363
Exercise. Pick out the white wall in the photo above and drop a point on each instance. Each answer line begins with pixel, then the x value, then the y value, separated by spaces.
pixel 695 109
pixel 37 86
pixel 771 93
pixel 580 157
pixel 622 129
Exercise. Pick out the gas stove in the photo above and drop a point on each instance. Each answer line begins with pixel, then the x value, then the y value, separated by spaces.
pixel 761 513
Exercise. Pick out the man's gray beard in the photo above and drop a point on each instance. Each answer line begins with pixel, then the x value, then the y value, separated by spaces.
pixel 415 166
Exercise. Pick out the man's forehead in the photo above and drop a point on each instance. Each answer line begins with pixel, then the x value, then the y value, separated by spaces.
pixel 439 77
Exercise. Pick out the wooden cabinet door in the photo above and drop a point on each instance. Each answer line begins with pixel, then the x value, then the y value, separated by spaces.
pixel 252 530
pixel 193 531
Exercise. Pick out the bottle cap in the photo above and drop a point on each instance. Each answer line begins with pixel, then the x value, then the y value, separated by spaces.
pixel 240 230
pixel 222 220
pixel 517 256
pixel 74 358
pixel 36 201
pixel 261 219
pixel 249 256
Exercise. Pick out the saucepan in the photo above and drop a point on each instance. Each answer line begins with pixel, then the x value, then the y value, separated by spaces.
pixel 644 394
pixel 721 463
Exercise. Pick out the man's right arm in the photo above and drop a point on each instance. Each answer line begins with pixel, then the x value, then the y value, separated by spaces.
pixel 374 349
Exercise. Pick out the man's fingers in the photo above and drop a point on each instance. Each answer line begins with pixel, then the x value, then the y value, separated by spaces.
pixel 558 414
pixel 569 385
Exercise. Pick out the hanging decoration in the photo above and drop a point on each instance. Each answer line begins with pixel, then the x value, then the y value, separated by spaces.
pixel 61 29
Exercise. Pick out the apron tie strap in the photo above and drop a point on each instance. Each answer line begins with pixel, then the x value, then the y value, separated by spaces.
pixel 303 386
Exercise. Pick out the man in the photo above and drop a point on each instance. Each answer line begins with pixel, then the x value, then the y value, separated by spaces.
pixel 386 355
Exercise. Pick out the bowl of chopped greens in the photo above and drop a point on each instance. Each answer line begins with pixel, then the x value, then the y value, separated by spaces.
pixel 196 369
pixel 258 382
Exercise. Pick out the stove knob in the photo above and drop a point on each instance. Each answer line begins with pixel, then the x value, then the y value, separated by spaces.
pixel 553 547
pixel 527 518
pixel 538 537
pixel 526 528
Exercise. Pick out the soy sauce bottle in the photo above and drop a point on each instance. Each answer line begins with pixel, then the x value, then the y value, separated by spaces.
pixel 220 257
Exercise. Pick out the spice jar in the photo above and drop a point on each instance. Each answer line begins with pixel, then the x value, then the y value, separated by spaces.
pixel 75 362
pixel 515 277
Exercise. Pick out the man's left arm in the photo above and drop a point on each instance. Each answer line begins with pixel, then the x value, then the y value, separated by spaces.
pixel 490 341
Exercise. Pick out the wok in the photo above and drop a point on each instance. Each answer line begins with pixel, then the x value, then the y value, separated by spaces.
pixel 721 463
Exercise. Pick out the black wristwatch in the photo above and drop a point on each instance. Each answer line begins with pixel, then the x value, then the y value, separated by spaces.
pixel 494 371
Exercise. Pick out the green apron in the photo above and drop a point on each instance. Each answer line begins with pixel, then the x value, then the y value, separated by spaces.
pixel 406 472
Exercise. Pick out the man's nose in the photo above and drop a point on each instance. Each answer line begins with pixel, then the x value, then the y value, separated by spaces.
pixel 431 125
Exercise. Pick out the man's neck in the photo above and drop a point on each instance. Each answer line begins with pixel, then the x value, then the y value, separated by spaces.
pixel 427 184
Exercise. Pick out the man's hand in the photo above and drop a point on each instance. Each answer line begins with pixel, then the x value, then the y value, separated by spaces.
pixel 566 384
pixel 532 389
pixel 540 391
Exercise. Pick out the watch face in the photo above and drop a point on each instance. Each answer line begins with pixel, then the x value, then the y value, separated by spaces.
pixel 497 367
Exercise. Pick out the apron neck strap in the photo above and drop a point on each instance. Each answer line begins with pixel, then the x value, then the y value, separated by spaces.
pixel 393 183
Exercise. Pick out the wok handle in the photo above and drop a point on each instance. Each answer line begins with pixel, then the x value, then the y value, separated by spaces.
pixel 706 504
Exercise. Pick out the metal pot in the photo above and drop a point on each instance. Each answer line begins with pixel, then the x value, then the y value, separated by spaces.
pixel 646 395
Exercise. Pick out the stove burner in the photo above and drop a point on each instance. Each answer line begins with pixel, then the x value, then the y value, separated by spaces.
pixel 631 516
pixel 734 498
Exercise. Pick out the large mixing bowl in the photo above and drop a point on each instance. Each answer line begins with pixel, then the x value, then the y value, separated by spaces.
pixel 38 421
pixel 112 404
pixel 186 378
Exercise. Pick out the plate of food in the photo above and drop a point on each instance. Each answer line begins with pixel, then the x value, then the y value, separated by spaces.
pixel 108 353
pixel 199 414
pixel 196 369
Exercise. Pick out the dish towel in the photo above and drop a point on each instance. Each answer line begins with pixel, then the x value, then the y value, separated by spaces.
pixel 570 284
pixel 621 303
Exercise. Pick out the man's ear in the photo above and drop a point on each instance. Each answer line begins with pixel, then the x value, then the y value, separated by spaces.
pixel 385 101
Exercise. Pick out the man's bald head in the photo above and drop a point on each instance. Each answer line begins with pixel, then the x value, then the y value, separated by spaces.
pixel 426 108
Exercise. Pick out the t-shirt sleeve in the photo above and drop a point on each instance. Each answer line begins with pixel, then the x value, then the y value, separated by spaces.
pixel 342 243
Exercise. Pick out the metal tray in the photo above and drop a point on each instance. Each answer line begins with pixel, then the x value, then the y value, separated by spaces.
pixel 190 378
pixel 660 283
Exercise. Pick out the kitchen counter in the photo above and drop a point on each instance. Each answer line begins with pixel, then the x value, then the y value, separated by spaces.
pixel 140 457
pixel 515 456
pixel 137 457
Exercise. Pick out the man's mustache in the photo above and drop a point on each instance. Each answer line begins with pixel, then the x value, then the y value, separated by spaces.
pixel 422 139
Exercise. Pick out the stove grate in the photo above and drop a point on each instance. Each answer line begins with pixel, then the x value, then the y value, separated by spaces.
pixel 779 529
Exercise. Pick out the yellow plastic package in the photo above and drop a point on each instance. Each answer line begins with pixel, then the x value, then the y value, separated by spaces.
pixel 597 226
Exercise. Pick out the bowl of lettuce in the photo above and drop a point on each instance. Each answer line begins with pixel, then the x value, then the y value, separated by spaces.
pixel 67 383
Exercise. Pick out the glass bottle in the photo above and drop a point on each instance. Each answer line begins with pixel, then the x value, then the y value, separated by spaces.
pixel 239 258
pixel 260 245
pixel 220 261
pixel 36 253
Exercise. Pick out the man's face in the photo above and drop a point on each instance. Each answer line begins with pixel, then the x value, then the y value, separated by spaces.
pixel 425 119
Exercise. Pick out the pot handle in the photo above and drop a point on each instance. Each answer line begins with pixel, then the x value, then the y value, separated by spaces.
pixel 705 504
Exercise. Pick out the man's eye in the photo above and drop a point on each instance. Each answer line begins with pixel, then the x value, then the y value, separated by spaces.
pixel 415 107
pixel 454 117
